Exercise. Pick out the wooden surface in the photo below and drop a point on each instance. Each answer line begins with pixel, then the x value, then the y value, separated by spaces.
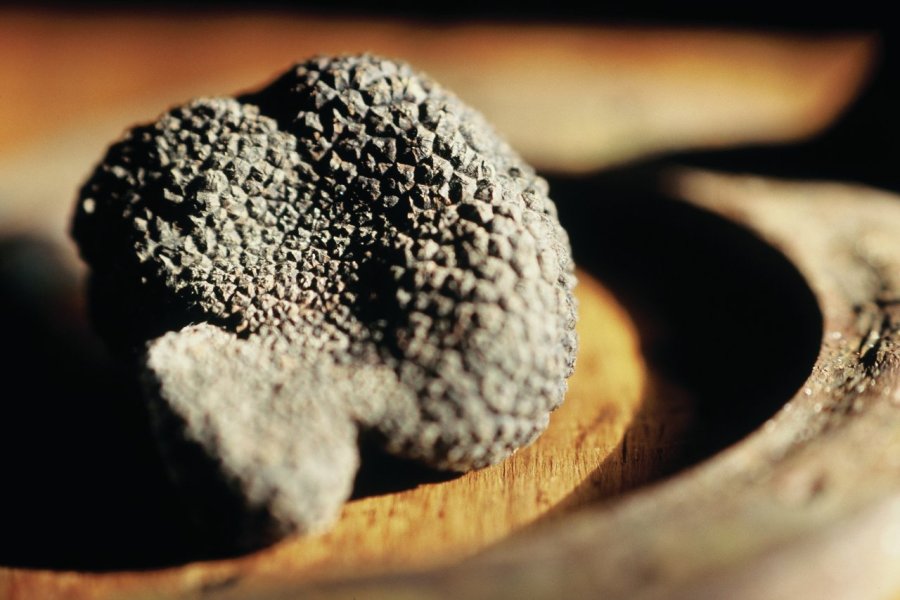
pixel 617 429
pixel 568 515
pixel 807 506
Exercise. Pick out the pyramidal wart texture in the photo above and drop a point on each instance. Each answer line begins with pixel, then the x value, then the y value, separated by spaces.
pixel 351 250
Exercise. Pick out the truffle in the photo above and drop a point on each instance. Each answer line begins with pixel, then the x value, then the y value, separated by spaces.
pixel 351 250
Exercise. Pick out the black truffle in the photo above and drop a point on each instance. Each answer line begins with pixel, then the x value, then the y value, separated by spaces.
pixel 351 249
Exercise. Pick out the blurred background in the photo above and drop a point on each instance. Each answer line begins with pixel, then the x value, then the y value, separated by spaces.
pixel 575 89
pixel 598 98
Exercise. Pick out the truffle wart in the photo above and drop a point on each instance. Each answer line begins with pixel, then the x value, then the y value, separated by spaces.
pixel 350 249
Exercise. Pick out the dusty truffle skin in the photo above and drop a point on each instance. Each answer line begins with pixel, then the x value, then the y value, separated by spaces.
pixel 349 250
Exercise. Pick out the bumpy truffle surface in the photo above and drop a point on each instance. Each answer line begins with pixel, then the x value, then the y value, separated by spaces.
pixel 350 249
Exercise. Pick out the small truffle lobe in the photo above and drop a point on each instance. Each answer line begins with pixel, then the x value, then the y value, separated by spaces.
pixel 349 251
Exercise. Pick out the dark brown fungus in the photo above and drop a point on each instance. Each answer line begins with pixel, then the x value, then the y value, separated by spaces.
pixel 351 249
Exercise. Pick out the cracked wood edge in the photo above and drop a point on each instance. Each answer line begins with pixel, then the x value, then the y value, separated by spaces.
pixel 808 505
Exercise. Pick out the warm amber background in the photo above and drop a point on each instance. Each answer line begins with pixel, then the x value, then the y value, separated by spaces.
pixel 570 98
